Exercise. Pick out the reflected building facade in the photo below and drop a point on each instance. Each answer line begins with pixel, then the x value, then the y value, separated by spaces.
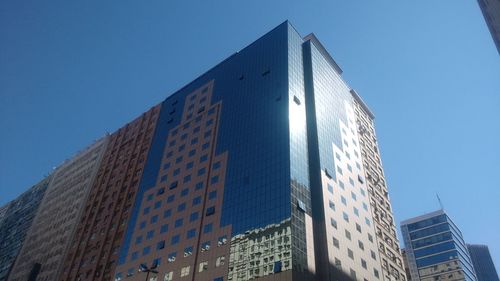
pixel 435 249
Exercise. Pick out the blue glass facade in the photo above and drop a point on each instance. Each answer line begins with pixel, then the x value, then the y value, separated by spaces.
pixel 483 263
pixel 435 248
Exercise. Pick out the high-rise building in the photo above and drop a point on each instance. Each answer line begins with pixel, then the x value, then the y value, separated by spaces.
pixel 258 169
pixel 435 249
pixel 47 241
pixel 383 219
pixel 491 13
pixel 93 252
pixel 265 167
pixel 16 218
pixel 483 263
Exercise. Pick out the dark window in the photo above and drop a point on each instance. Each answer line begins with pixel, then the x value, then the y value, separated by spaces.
pixel 210 211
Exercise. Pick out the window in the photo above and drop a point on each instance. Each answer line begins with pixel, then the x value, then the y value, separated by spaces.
pixel 160 245
pixel 169 276
pixel 363 263
pixel 163 179
pixel 185 271
pixel 175 183
pixel 138 240
pixel 212 195
pixel 134 256
pixel 347 234
pixel 358 228
pixel 188 251
pixel 164 228
pixel 191 233
pixel 351 181
pixel 157 204
pixel 150 234
pixel 217 165
pixel 196 200
pixel 189 165
pixel 344 201
pixel 361 179
pixel 201 171
pixel 146 250
pixel 356 211
pixel 375 272
pixel 301 206
pixel 142 225
pixel 333 222
pixel 167 213
pixel 194 141
pixel 205 246
pixel 170 198
pixel 332 205
pixel 336 242
pixel 222 240
pixel 350 253
pixel 361 245
pixel 370 237
pixel 330 188
pixel 210 211
pixel 175 240
pixel 187 178
pixel 339 170
pixel 214 180
pixel 205 146
pixel 193 216
pixel 192 153
pixel 178 223
pixel 374 256
pixel 367 221
pixel 203 266
pixel 353 196
pixel 220 261
pixel 184 192
pixel 181 207
pixel 207 228
pixel 154 219
pixel 172 256
pixel 146 211
pixel 341 184
pixel 346 216
pixel 199 185
pixel 353 273
pixel 203 158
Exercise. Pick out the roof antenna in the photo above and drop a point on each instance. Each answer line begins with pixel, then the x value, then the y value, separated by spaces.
pixel 440 203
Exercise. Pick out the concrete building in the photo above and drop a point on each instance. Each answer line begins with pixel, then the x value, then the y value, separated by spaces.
pixel 94 248
pixel 483 263
pixel 435 249
pixel 491 13
pixel 53 227
pixel 16 218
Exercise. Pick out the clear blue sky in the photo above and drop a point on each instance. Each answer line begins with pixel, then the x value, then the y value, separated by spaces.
pixel 72 70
